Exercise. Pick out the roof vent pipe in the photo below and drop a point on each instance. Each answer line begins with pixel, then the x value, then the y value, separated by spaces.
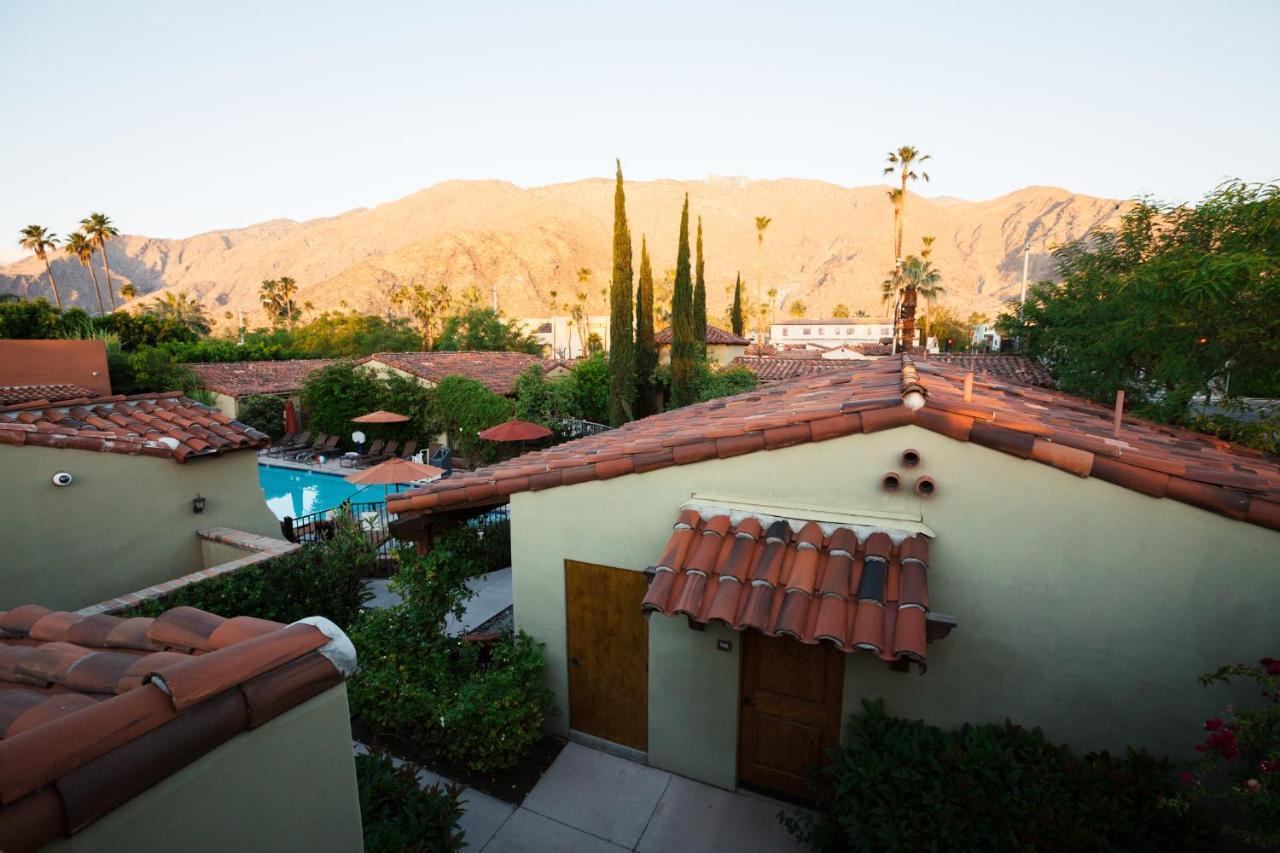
pixel 891 481
pixel 911 457
pixel 925 487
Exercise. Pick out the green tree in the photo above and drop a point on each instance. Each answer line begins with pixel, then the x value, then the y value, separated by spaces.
pixel 279 297
pixel 100 231
pixel 798 308
pixel 342 334
pixel 484 330
pixel 427 305
pixel 1167 306
pixel 684 346
pixel 736 320
pixel 79 247
pixel 903 161
pixel 263 412
pixel 840 312
pixel 339 392
pixel 180 308
pixel 30 319
pixel 622 356
pixel 463 408
pixel 38 239
pixel 646 346
pixel 762 224
pixel 927 285
pixel 916 277
pixel 700 299
pixel 578 309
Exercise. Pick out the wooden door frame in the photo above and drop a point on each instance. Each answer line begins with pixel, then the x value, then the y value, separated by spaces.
pixel 835 710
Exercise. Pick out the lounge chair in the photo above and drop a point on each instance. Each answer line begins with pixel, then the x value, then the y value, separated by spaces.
pixel 297 453
pixel 284 439
pixel 312 457
pixel 362 460
pixel 389 450
pixel 296 442
pixel 410 448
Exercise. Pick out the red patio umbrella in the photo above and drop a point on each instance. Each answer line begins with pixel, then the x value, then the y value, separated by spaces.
pixel 381 417
pixel 290 418
pixel 515 430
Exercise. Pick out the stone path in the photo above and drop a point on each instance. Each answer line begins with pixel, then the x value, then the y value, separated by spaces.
pixel 492 596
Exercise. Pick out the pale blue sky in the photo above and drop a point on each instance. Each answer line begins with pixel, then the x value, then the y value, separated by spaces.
pixel 180 118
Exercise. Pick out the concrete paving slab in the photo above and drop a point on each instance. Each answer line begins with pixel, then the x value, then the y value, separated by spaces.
pixel 482 816
pixel 606 796
pixel 492 596
pixel 526 832
pixel 382 594
pixel 694 816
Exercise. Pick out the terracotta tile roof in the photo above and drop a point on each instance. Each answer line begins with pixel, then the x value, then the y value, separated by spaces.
pixel 166 425
pixel 10 394
pixel 715 335
pixel 1018 368
pixel 96 709
pixel 775 368
pixel 1050 427
pixel 798 580
pixel 243 378
pixel 497 370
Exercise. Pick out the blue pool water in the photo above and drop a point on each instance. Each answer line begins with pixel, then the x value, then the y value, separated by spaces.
pixel 296 493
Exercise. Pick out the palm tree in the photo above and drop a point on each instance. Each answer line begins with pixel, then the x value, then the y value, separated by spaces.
pixel 840 312
pixel 929 289
pixel 798 308
pixel 79 247
pixel 38 239
pixel 762 223
pixel 578 311
pixel 917 277
pixel 901 161
pixel 128 290
pixel 181 308
pixel 98 228
pixel 277 297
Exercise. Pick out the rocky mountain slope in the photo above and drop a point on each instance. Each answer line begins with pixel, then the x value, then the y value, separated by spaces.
pixel 827 245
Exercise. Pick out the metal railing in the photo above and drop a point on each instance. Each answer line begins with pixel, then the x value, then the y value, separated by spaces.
pixel 374 522
pixel 571 428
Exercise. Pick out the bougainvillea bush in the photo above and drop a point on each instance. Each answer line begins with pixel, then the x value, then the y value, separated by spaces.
pixel 1240 757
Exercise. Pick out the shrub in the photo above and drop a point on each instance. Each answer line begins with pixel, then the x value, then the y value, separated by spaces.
pixel 903 785
pixel 478 704
pixel 322 579
pixel 483 329
pixel 399 815
pixel 263 412
pixel 1245 744
pixel 338 393
pixel 463 408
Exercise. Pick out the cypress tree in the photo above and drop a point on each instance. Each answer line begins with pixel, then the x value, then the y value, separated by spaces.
pixel 622 357
pixel 646 347
pixel 684 346
pixel 736 318
pixel 700 300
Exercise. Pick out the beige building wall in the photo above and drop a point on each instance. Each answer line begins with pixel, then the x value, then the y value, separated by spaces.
pixel 287 785
pixel 720 354
pixel 123 524
pixel 226 404
pixel 1083 608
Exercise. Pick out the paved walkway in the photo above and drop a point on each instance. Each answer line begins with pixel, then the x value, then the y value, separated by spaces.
pixel 492 596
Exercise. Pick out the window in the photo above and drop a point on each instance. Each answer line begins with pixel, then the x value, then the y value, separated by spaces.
pixel 786 333
pixel 806 331
pixel 849 331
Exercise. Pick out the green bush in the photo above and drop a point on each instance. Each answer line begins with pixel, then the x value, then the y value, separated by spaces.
pixel 263 412
pixel 478 704
pixel 322 579
pixel 338 393
pixel 399 815
pixel 483 329
pixel 902 785
pixel 463 408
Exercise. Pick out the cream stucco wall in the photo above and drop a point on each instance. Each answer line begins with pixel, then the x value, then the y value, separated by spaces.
pixel 720 354
pixel 287 785
pixel 1083 607
pixel 125 522
pixel 226 404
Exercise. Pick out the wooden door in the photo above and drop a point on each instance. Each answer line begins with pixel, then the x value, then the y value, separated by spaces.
pixel 608 641
pixel 791 699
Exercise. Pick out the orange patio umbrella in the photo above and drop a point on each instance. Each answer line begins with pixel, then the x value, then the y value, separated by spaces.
pixel 381 417
pixel 515 430
pixel 395 471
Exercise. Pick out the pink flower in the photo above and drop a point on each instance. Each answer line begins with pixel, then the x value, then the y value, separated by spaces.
pixel 1212 724
pixel 1271 665
pixel 1186 778
pixel 1268 766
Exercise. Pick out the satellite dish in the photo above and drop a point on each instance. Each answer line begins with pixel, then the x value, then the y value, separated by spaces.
pixel 357 437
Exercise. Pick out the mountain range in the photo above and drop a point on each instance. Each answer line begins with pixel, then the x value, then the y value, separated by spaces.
pixel 826 245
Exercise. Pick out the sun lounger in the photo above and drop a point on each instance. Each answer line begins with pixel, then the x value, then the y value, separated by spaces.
pixel 316 446
pixel 313 457
pixel 361 460
pixel 297 442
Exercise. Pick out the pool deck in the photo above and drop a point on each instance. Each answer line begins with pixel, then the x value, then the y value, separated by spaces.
pixel 330 466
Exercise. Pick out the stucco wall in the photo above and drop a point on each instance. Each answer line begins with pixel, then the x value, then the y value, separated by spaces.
pixel 1083 607
pixel 226 404
pixel 125 522
pixel 287 785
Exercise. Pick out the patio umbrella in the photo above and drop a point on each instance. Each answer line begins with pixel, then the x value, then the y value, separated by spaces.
pixel 381 417
pixel 395 471
pixel 515 430
pixel 290 418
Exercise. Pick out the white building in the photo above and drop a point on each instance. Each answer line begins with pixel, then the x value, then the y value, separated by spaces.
pixel 986 338
pixel 561 337
pixel 831 332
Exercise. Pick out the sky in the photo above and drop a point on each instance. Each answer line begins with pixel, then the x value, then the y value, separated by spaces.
pixel 182 118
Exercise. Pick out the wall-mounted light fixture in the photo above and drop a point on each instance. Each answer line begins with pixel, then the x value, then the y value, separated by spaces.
pixel 197 503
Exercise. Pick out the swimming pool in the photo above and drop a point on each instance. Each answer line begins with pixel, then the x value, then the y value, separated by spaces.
pixel 296 493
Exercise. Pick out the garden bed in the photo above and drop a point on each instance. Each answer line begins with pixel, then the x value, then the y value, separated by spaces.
pixel 511 785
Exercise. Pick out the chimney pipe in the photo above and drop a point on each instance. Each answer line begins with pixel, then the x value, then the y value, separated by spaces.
pixel 1119 412
pixel 911 457
pixel 925 487
pixel 891 481
pixel 968 387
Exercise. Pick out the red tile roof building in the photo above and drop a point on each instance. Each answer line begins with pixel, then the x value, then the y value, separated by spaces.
pixel 770 369
pixel 94 710
pixel 12 394
pixel 1051 428
pixel 497 371
pixel 245 378
pixel 715 336
pixel 166 425
pixel 1016 368
pixel 56 362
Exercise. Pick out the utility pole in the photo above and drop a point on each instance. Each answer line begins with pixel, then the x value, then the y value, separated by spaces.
pixel 495 293
pixel 1026 263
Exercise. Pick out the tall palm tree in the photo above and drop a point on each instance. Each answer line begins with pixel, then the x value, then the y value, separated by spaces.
pixel 98 228
pixel 918 277
pixel 929 289
pixel 181 308
pixel 128 290
pixel 578 310
pixel 762 223
pixel 79 247
pixel 40 240
pixel 902 161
